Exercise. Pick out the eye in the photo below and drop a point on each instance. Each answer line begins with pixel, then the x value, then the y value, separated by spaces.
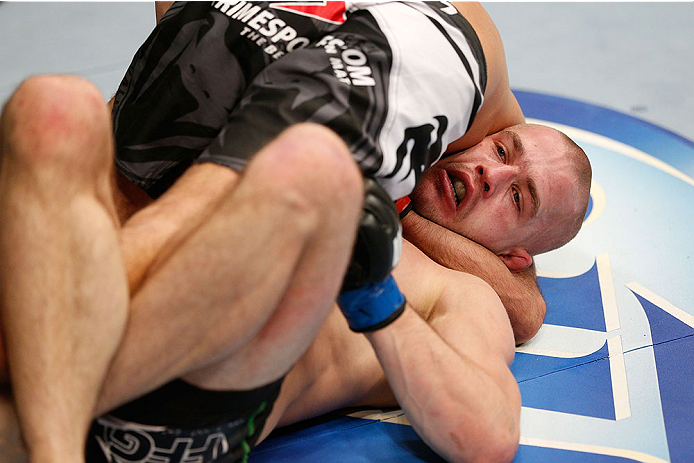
pixel 516 199
pixel 501 152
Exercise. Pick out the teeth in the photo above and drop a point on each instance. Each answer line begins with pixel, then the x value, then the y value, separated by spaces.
pixel 459 190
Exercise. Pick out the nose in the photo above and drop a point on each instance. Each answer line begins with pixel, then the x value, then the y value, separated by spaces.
pixel 496 178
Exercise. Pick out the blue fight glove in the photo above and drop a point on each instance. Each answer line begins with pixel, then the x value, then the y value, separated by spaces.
pixel 373 306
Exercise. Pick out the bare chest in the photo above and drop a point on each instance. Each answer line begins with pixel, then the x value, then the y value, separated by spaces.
pixel 339 370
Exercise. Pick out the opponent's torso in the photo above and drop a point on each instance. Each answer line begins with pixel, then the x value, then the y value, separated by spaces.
pixel 397 97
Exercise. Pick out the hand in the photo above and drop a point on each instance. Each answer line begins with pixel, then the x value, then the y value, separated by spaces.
pixel 379 239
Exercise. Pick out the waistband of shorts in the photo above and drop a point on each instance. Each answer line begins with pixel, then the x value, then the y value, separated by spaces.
pixel 179 404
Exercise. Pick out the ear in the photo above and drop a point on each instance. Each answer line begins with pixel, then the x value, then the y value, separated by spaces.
pixel 516 259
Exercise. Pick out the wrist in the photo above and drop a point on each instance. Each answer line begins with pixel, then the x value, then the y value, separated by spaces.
pixel 373 306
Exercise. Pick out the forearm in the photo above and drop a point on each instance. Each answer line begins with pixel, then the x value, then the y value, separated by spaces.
pixel 457 407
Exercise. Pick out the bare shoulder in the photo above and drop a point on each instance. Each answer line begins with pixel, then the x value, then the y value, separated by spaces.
pixel 418 278
pixel 500 108
pixel 470 316
pixel 490 39
pixel 461 307
pixel 480 20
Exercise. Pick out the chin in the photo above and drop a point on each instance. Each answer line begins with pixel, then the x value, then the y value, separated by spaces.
pixel 422 203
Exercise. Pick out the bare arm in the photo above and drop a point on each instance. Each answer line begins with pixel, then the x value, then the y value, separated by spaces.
pixel 452 378
pixel 500 108
pixel 518 291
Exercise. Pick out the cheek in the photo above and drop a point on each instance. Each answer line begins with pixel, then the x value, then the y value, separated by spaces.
pixel 488 227
pixel 491 213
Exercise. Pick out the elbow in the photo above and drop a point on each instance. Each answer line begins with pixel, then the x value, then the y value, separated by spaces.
pixel 527 326
pixel 503 448
pixel 496 438
pixel 495 441
pixel 494 446
pixel 502 443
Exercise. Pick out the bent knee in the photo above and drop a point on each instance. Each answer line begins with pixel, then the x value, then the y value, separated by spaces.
pixel 314 153
pixel 311 170
pixel 55 119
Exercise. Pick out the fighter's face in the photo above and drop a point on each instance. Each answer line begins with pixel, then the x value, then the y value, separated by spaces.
pixel 503 191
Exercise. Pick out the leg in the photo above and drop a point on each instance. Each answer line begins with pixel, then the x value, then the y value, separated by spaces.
pixel 63 285
pixel 333 192
pixel 282 238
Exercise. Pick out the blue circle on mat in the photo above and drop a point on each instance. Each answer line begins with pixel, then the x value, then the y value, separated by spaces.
pixel 650 138
pixel 635 260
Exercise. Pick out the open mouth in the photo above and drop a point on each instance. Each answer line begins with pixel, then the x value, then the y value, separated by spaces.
pixel 459 190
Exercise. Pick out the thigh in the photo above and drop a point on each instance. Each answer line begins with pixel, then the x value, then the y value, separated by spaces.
pixel 274 247
pixel 152 229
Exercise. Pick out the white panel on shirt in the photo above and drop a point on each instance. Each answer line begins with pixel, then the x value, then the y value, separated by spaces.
pixel 427 80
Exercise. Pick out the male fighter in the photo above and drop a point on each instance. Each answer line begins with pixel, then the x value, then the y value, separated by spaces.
pixel 56 196
pixel 402 84
pixel 471 338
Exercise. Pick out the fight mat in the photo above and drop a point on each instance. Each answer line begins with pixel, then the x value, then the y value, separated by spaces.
pixel 608 378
